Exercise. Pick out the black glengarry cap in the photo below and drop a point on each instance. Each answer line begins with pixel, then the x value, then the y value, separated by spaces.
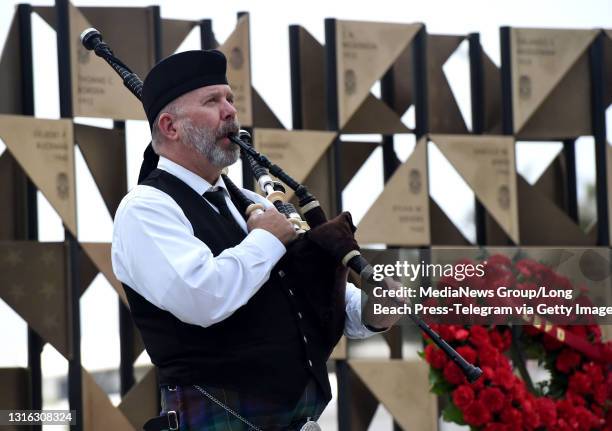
pixel 179 74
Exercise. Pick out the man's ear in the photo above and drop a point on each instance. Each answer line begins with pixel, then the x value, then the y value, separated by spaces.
pixel 167 126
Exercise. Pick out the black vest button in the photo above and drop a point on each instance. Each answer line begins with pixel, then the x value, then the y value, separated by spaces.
pixel 281 273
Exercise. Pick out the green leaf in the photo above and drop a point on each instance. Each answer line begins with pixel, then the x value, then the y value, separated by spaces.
pixel 434 376
pixel 441 388
pixel 483 254
pixel 533 350
pixel 520 254
pixel 437 383
pixel 451 413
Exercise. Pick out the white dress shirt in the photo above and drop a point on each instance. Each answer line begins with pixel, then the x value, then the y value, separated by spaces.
pixel 155 252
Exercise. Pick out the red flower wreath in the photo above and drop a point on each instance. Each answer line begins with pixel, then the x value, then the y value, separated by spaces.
pixel 578 396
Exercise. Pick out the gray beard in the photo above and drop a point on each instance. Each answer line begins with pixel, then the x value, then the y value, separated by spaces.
pixel 204 140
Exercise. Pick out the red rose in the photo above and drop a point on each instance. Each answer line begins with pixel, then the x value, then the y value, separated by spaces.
pixel 463 396
pixel 527 403
pixel 453 374
pixel 512 416
pixel 478 384
pixel 436 357
pixel 478 336
pixel 468 353
pixel 498 260
pixel 544 273
pixel 504 378
pixel 594 371
pixel 488 356
pixel 597 411
pixel 574 398
pixel 547 411
pixel 493 398
pixel 532 420
pixel 565 411
pixel 518 391
pixel 609 420
pixel 526 268
pixel 567 360
pixel 562 425
pixel 600 394
pixel 506 279
pixel 501 339
pixel 461 334
pixel 447 332
pixel 587 420
pixel 580 383
pixel 487 372
pixel 496 426
pixel 476 414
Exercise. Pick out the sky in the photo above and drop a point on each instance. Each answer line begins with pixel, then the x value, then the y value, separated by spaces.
pixel 270 66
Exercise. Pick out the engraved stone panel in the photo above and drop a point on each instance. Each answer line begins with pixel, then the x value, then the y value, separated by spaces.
pixel 296 151
pixel 487 164
pixel 400 215
pixel 364 52
pixel 45 151
pixel 39 296
pixel 97 90
pixel 540 58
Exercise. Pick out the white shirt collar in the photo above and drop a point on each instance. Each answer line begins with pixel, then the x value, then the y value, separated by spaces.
pixel 193 180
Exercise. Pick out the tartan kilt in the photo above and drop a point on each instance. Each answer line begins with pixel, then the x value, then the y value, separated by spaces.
pixel 196 412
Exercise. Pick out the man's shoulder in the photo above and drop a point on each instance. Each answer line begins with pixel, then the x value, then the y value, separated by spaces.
pixel 141 197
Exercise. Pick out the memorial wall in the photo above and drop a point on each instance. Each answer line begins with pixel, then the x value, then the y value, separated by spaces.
pixel 553 86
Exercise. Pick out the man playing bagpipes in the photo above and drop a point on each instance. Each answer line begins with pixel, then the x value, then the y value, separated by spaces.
pixel 238 338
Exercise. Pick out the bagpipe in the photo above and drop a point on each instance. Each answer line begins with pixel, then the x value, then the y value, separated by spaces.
pixel 324 249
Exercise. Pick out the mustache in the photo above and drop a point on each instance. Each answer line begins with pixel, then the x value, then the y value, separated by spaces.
pixel 228 129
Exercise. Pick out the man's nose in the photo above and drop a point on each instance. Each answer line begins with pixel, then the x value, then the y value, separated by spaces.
pixel 228 111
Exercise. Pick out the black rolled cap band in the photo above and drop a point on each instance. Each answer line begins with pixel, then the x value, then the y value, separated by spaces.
pixel 186 87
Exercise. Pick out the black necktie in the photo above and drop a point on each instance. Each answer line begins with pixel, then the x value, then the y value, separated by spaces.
pixel 217 198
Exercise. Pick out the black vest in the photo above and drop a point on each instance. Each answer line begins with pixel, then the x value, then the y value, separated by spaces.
pixel 270 347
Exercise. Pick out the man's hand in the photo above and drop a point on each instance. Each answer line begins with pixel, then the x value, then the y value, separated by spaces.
pixel 384 321
pixel 275 223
